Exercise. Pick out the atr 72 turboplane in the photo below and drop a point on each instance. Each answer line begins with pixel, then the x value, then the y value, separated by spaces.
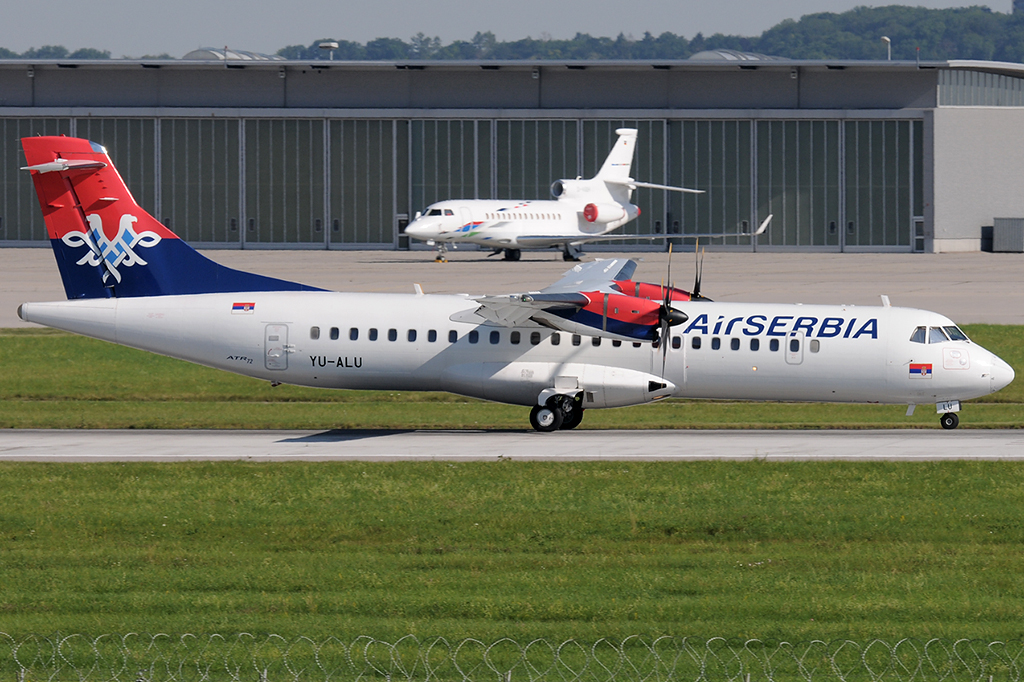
pixel 583 211
pixel 594 339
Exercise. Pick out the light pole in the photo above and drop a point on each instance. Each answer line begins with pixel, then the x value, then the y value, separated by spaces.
pixel 888 47
pixel 331 45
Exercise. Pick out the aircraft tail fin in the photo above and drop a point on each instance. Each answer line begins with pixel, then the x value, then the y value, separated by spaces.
pixel 620 159
pixel 106 245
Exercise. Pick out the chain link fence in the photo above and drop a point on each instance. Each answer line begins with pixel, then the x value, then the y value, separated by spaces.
pixel 272 658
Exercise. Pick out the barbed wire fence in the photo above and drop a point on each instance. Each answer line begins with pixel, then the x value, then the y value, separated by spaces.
pixel 271 658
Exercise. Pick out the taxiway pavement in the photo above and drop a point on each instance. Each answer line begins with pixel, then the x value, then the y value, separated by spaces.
pixel 454 446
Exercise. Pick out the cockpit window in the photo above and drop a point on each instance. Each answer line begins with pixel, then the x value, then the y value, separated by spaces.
pixel 448 211
pixel 434 211
pixel 955 334
pixel 936 335
pixel 919 335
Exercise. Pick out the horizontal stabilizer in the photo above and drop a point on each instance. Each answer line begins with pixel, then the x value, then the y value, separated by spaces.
pixel 633 184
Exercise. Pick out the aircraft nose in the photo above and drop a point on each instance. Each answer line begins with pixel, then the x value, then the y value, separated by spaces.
pixel 1002 374
pixel 420 230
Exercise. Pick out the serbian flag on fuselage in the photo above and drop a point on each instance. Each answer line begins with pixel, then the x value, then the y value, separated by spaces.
pixel 920 370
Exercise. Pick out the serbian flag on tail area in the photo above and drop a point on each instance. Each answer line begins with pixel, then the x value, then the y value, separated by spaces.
pixel 920 370
pixel 248 307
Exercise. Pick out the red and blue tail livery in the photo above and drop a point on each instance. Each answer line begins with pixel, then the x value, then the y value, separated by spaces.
pixel 106 245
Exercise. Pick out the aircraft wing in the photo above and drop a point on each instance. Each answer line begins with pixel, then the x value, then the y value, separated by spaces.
pixel 542 241
pixel 563 296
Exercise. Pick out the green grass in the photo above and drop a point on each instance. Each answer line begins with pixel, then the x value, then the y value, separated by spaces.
pixel 755 549
pixel 57 380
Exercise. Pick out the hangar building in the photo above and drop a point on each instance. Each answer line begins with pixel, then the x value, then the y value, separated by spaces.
pixel 249 153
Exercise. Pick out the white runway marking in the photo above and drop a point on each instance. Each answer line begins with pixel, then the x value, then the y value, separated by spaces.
pixel 384 445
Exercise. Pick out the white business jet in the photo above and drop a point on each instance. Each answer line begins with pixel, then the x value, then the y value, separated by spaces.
pixel 583 211
pixel 594 339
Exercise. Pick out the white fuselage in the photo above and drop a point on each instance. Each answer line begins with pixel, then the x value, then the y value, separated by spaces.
pixel 435 342
pixel 515 224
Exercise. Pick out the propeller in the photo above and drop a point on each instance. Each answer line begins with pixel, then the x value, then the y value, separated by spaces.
pixel 698 256
pixel 668 316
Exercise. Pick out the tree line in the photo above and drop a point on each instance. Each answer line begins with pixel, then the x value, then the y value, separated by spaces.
pixel 916 32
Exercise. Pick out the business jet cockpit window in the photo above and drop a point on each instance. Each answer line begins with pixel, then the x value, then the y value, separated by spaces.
pixel 434 211
pixel 937 335
pixel 448 211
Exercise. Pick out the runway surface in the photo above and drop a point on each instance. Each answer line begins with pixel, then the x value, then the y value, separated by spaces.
pixel 179 446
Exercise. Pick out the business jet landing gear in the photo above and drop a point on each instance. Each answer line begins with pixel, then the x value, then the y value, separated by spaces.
pixel 571 253
pixel 442 253
pixel 949 420
pixel 512 254
pixel 559 412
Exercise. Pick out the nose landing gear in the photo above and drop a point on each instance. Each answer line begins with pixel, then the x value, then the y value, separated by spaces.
pixel 949 420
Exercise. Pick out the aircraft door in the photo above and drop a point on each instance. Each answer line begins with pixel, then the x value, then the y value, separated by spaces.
pixel 465 215
pixel 276 346
pixel 795 348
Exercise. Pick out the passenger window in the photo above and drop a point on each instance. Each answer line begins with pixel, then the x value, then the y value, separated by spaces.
pixel 716 343
pixel 773 345
pixel 936 335
pixel 373 334
pixel 335 333
pixel 474 336
pixel 919 335
pixel 535 338
pixel 314 333
pixel 392 335
pixel 616 343
pixel 596 341
pixel 794 345
pixel 556 339
pixel 815 345
pixel 353 334
pixel 495 336
pixel 432 335
pixel 576 339
pixel 695 343
pixel 513 338
pixel 955 334
pixel 637 344
pixel 412 335
pixel 755 344
pixel 453 336
pixel 734 344
pixel 677 341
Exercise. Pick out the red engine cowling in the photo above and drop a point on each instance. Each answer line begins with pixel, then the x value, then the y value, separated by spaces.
pixel 603 213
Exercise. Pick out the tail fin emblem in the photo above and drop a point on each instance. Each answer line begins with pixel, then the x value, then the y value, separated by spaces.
pixel 113 253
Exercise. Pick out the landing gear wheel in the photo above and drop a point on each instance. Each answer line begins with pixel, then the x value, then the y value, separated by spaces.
pixel 512 254
pixel 949 420
pixel 545 419
pixel 572 419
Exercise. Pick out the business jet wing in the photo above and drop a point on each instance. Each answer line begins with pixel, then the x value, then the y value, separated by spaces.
pixel 541 241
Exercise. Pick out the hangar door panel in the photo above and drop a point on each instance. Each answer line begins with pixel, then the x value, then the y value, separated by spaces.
pixel 450 160
pixel 879 183
pixel 798 182
pixel 714 156
pixel 284 176
pixel 364 157
pixel 530 155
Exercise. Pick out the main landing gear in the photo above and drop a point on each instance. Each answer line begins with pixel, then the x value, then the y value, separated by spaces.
pixel 560 412
pixel 949 420
pixel 512 254
pixel 571 253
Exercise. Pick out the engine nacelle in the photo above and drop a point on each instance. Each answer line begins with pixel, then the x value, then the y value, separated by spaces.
pixel 603 213
pixel 523 382
pixel 572 189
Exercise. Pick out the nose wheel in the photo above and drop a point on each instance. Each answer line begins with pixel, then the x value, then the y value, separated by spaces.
pixel 560 412
pixel 949 420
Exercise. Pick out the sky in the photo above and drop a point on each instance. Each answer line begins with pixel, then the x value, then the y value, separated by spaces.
pixel 133 28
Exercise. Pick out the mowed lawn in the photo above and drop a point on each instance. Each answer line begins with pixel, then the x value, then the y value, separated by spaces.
pixel 800 550
pixel 57 380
